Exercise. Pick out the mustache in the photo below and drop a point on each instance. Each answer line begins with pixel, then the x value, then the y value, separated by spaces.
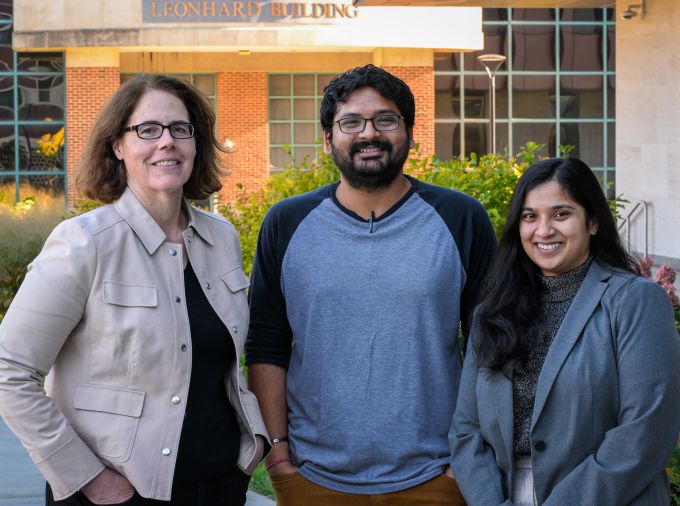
pixel 380 144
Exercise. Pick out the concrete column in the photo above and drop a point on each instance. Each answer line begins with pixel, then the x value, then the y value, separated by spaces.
pixel 648 122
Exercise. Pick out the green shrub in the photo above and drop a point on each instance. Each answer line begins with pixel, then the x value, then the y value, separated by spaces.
pixel 673 470
pixel 24 226
pixel 490 179
pixel 248 209
pixel 261 483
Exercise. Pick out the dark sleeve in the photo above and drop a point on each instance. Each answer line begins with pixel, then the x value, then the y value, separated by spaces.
pixel 477 246
pixel 270 336
pixel 474 236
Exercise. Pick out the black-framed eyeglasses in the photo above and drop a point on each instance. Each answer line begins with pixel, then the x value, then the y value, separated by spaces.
pixel 152 130
pixel 382 123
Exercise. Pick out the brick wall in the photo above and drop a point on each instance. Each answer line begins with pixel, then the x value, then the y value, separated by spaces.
pixel 242 117
pixel 421 82
pixel 87 90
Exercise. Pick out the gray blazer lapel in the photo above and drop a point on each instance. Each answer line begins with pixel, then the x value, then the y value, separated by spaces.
pixel 586 300
pixel 501 392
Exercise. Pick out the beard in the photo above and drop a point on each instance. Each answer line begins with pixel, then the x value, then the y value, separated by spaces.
pixel 371 174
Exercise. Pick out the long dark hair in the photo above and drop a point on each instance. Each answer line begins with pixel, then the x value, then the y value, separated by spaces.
pixel 505 319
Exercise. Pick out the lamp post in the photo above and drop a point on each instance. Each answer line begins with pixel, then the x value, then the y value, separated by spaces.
pixel 491 63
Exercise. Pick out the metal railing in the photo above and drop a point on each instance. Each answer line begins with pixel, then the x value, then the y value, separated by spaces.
pixel 626 220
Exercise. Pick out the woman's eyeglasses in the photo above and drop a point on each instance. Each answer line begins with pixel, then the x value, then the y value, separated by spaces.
pixel 151 130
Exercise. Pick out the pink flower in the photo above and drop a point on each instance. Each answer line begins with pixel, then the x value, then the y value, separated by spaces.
pixel 670 290
pixel 665 274
pixel 645 265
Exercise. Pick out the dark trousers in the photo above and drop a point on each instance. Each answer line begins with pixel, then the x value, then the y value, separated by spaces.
pixel 226 490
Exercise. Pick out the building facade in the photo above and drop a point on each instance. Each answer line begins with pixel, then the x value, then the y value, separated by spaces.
pixel 263 65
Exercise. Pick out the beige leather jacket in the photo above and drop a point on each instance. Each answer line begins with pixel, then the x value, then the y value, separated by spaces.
pixel 102 309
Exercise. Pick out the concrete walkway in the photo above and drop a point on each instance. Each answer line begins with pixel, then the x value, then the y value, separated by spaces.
pixel 20 482
pixel 256 500
pixel 22 485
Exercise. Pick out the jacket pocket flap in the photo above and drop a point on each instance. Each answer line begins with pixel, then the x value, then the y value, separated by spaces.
pixel 130 295
pixel 109 400
pixel 235 279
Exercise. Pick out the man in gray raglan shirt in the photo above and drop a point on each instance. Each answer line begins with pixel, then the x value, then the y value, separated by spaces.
pixel 357 293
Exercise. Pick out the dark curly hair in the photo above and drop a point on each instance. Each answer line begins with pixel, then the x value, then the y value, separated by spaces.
pixel 389 86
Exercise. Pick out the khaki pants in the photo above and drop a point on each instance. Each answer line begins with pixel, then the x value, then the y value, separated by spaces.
pixel 294 490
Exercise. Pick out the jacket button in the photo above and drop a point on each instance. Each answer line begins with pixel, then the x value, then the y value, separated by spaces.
pixel 177 299
pixel 175 399
pixel 173 252
pixel 166 451
pixel 183 347
pixel 540 446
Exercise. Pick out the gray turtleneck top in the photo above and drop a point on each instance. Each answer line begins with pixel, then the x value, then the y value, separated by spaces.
pixel 558 293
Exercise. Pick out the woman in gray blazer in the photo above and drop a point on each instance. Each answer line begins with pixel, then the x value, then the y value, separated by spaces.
pixel 571 384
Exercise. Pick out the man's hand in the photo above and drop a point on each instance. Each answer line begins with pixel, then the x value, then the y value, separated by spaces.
pixel 108 487
pixel 268 383
pixel 282 468
pixel 278 462
pixel 259 452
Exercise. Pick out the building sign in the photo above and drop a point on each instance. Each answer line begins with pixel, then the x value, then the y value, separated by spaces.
pixel 247 11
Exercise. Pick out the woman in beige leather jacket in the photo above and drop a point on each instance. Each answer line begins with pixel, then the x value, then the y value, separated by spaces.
pixel 138 312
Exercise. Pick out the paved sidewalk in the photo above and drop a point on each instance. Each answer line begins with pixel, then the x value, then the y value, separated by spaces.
pixel 20 482
pixel 22 485
pixel 256 500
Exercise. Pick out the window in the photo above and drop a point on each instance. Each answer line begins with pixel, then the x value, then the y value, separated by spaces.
pixel 32 104
pixel 556 88
pixel 294 127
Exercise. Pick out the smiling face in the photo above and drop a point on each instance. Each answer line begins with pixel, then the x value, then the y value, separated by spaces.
pixel 369 159
pixel 159 166
pixel 554 230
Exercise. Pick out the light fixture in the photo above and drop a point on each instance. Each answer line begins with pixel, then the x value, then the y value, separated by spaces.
pixel 633 10
pixel 244 52
pixel 491 63
pixel 229 145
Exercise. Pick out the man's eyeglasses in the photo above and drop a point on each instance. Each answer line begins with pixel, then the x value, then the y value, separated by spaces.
pixel 382 123
pixel 151 130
